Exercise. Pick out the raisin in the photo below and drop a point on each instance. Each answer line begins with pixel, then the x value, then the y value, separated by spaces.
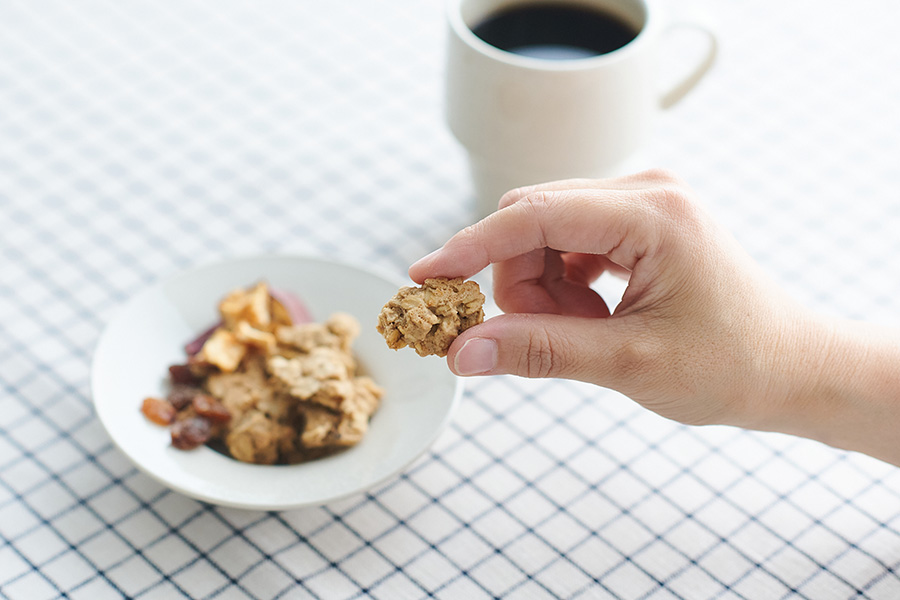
pixel 182 395
pixel 190 433
pixel 182 374
pixel 209 407
pixel 158 410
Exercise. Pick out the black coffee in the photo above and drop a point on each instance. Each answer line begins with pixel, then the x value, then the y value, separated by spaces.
pixel 555 31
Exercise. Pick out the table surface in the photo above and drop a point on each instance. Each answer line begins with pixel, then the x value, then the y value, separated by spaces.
pixel 141 138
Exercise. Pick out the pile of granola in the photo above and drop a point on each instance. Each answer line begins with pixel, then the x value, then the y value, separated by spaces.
pixel 266 389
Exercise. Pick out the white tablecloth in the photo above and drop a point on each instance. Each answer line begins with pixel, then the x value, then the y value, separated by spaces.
pixel 138 138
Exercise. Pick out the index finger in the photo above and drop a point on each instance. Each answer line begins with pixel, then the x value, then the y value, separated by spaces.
pixel 635 181
pixel 610 222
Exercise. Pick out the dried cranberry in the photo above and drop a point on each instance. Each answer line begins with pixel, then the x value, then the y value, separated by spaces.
pixel 207 406
pixel 196 344
pixel 158 410
pixel 182 395
pixel 190 433
pixel 182 374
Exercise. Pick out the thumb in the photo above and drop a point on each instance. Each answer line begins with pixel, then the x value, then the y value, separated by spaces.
pixel 541 345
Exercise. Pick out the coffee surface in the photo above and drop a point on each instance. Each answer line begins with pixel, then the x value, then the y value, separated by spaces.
pixel 555 31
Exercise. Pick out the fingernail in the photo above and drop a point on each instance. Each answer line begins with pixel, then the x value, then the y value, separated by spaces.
pixel 478 355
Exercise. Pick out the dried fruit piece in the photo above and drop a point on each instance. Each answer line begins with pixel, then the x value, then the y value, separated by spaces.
pixel 249 335
pixel 193 346
pixel 182 374
pixel 158 410
pixel 288 308
pixel 251 305
pixel 207 406
pixel 182 395
pixel 223 350
pixel 191 433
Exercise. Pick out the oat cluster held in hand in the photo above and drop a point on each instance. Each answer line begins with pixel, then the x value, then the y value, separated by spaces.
pixel 430 317
pixel 266 386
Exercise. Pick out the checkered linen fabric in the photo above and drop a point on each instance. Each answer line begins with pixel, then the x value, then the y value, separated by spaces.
pixel 138 138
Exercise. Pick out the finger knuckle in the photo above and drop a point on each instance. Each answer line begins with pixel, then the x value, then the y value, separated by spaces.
pixel 661 175
pixel 540 357
pixel 538 205
pixel 671 202
pixel 636 358
pixel 513 196
pixel 555 204
pixel 674 201
pixel 537 201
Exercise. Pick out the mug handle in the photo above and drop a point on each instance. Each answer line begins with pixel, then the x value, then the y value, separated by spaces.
pixel 690 18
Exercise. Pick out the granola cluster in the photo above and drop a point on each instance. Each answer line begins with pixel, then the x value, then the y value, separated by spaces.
pixel 268 390
pixel 430 317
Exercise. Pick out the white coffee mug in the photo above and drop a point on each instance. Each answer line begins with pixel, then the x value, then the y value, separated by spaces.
pixel 526 120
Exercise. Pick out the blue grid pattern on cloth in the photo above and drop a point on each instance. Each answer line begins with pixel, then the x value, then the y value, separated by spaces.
pixel 140 138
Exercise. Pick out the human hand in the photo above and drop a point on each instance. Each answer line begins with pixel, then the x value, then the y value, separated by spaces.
pixel 700 336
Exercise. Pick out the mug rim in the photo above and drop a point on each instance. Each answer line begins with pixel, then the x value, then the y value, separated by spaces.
pixel 465 34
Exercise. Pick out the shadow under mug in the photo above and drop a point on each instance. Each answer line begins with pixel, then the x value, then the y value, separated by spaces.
pixel 524 119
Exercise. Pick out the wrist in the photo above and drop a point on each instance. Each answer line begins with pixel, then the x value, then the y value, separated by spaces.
pixel 837 382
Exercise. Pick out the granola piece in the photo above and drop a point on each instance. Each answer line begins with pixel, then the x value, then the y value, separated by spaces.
pixel 325 428
pixel 258 439
pixel 277 405
pixel 299 376
pixel 307 336
pixel 288 374
pixel 345 327
pixel 368 396
pixel 223 350
pixel 319 426
pixel 302 376
pixel 243 390
pixel 329 363
pixel 299 454
pixel 430 317
pixel 349 396
pixel 334 394
pixel 351 429
pixel 338 332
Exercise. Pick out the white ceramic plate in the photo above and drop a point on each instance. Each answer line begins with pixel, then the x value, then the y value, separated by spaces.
pixel 132 358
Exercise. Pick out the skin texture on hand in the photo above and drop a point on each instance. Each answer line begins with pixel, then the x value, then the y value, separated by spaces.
pixel 701 334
